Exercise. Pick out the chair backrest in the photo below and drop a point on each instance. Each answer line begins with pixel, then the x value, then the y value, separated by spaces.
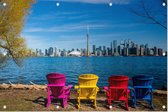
pixel 59 81
pixel 142 80
pixel 118 81
pixel 88 80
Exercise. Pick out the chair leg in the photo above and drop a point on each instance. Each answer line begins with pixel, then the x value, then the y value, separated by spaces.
pixel 95 103
pixel 126 104
pixel 151 101
pixel 48 101
pixel 133 102
pixel 151 104
pixel 68 97
pixel 78 103
pixel 109 103
pixel 64 102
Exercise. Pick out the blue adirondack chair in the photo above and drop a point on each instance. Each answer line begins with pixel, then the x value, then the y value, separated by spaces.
pixel 142 89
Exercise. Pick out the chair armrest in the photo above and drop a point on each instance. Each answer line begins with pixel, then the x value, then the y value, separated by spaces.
pixel 118 88
pixel 76 87
pixel 143 87
pixel 105 88
pixel 97 89
pixel 107 91
pixel 68 87
pixel 131 89
pixel 88 87
pixel 55 85
pixel 132 92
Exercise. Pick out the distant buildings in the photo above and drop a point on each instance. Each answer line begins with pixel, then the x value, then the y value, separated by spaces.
pixel 124 48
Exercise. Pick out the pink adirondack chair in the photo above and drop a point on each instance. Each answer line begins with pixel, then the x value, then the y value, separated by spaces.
pixel 56 88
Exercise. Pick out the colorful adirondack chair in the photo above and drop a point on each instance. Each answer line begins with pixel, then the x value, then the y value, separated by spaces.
pixel 117 90
pixel 87 88
pixel 56 88
pixel 142 89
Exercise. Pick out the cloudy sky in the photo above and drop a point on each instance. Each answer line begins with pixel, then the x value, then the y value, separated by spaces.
pixel 64 26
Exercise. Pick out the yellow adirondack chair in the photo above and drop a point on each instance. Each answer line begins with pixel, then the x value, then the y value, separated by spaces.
pixel 87 88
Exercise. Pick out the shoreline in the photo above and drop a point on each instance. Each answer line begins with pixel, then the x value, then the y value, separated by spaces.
pixel 44 87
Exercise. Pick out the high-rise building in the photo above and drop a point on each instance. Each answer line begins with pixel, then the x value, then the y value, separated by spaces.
pixel 146 45
pixel 46 52
pixel 37 52
pixel 129 43
pixel 108 51
pixel 160 52
pixel 104 50
pixel 119 50
pixel 155 51
pixel 40 52
pixel 51 51
pixel 94 49
pixel 125 51
pixel 151 52
pixel 100 48
pixel 125 43
pixel 55 51
pixel 137 50
pixel 146 50
pixel 133 51
pixel 112 50
pixel 115 46
pixel 141 51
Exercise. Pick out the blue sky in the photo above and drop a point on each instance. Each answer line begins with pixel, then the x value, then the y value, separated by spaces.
pixel 65 26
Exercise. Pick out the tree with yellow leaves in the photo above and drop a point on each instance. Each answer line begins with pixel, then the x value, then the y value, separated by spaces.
pixel 12 19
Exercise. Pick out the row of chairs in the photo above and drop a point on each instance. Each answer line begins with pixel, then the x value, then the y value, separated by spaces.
pixel 117 90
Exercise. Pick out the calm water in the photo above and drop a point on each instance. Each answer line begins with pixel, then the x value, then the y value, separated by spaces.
pixel 35 69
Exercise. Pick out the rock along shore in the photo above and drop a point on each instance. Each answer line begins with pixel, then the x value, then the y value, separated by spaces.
pixel 43 87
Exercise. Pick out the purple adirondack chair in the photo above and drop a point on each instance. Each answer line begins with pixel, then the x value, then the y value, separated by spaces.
pixel 56 88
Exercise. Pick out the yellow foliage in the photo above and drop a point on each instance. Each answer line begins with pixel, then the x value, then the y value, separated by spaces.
pixel 12 19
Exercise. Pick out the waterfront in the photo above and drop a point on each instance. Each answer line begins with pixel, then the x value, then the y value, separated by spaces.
pixel 35 69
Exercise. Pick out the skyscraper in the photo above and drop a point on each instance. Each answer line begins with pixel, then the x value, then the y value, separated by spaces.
pixel 50 51
pixel 46 52
pixel 104 50
pixel 146 49
pixel 37 52
pixel 112 50
pixel 115 48
pixel 119 50
pixel 155 51
pixel 115 45
pixel 94 49
pixel 55 52
pixel 160 52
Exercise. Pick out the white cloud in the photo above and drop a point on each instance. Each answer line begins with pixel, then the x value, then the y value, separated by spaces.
pixel 65 28
pixel 100 1
pixel 95 1
pixel 80 26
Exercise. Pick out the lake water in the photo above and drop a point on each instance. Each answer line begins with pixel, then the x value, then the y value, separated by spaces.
pixel 35 69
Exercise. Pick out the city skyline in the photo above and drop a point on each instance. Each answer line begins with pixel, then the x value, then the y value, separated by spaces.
pixel 115 48
pixel 65 27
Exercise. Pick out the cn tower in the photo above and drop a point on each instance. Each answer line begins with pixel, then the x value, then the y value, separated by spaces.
pixel 87 50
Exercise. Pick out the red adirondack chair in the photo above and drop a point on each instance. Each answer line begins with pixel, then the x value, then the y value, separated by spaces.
pixel 56 88
pixel 117 90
